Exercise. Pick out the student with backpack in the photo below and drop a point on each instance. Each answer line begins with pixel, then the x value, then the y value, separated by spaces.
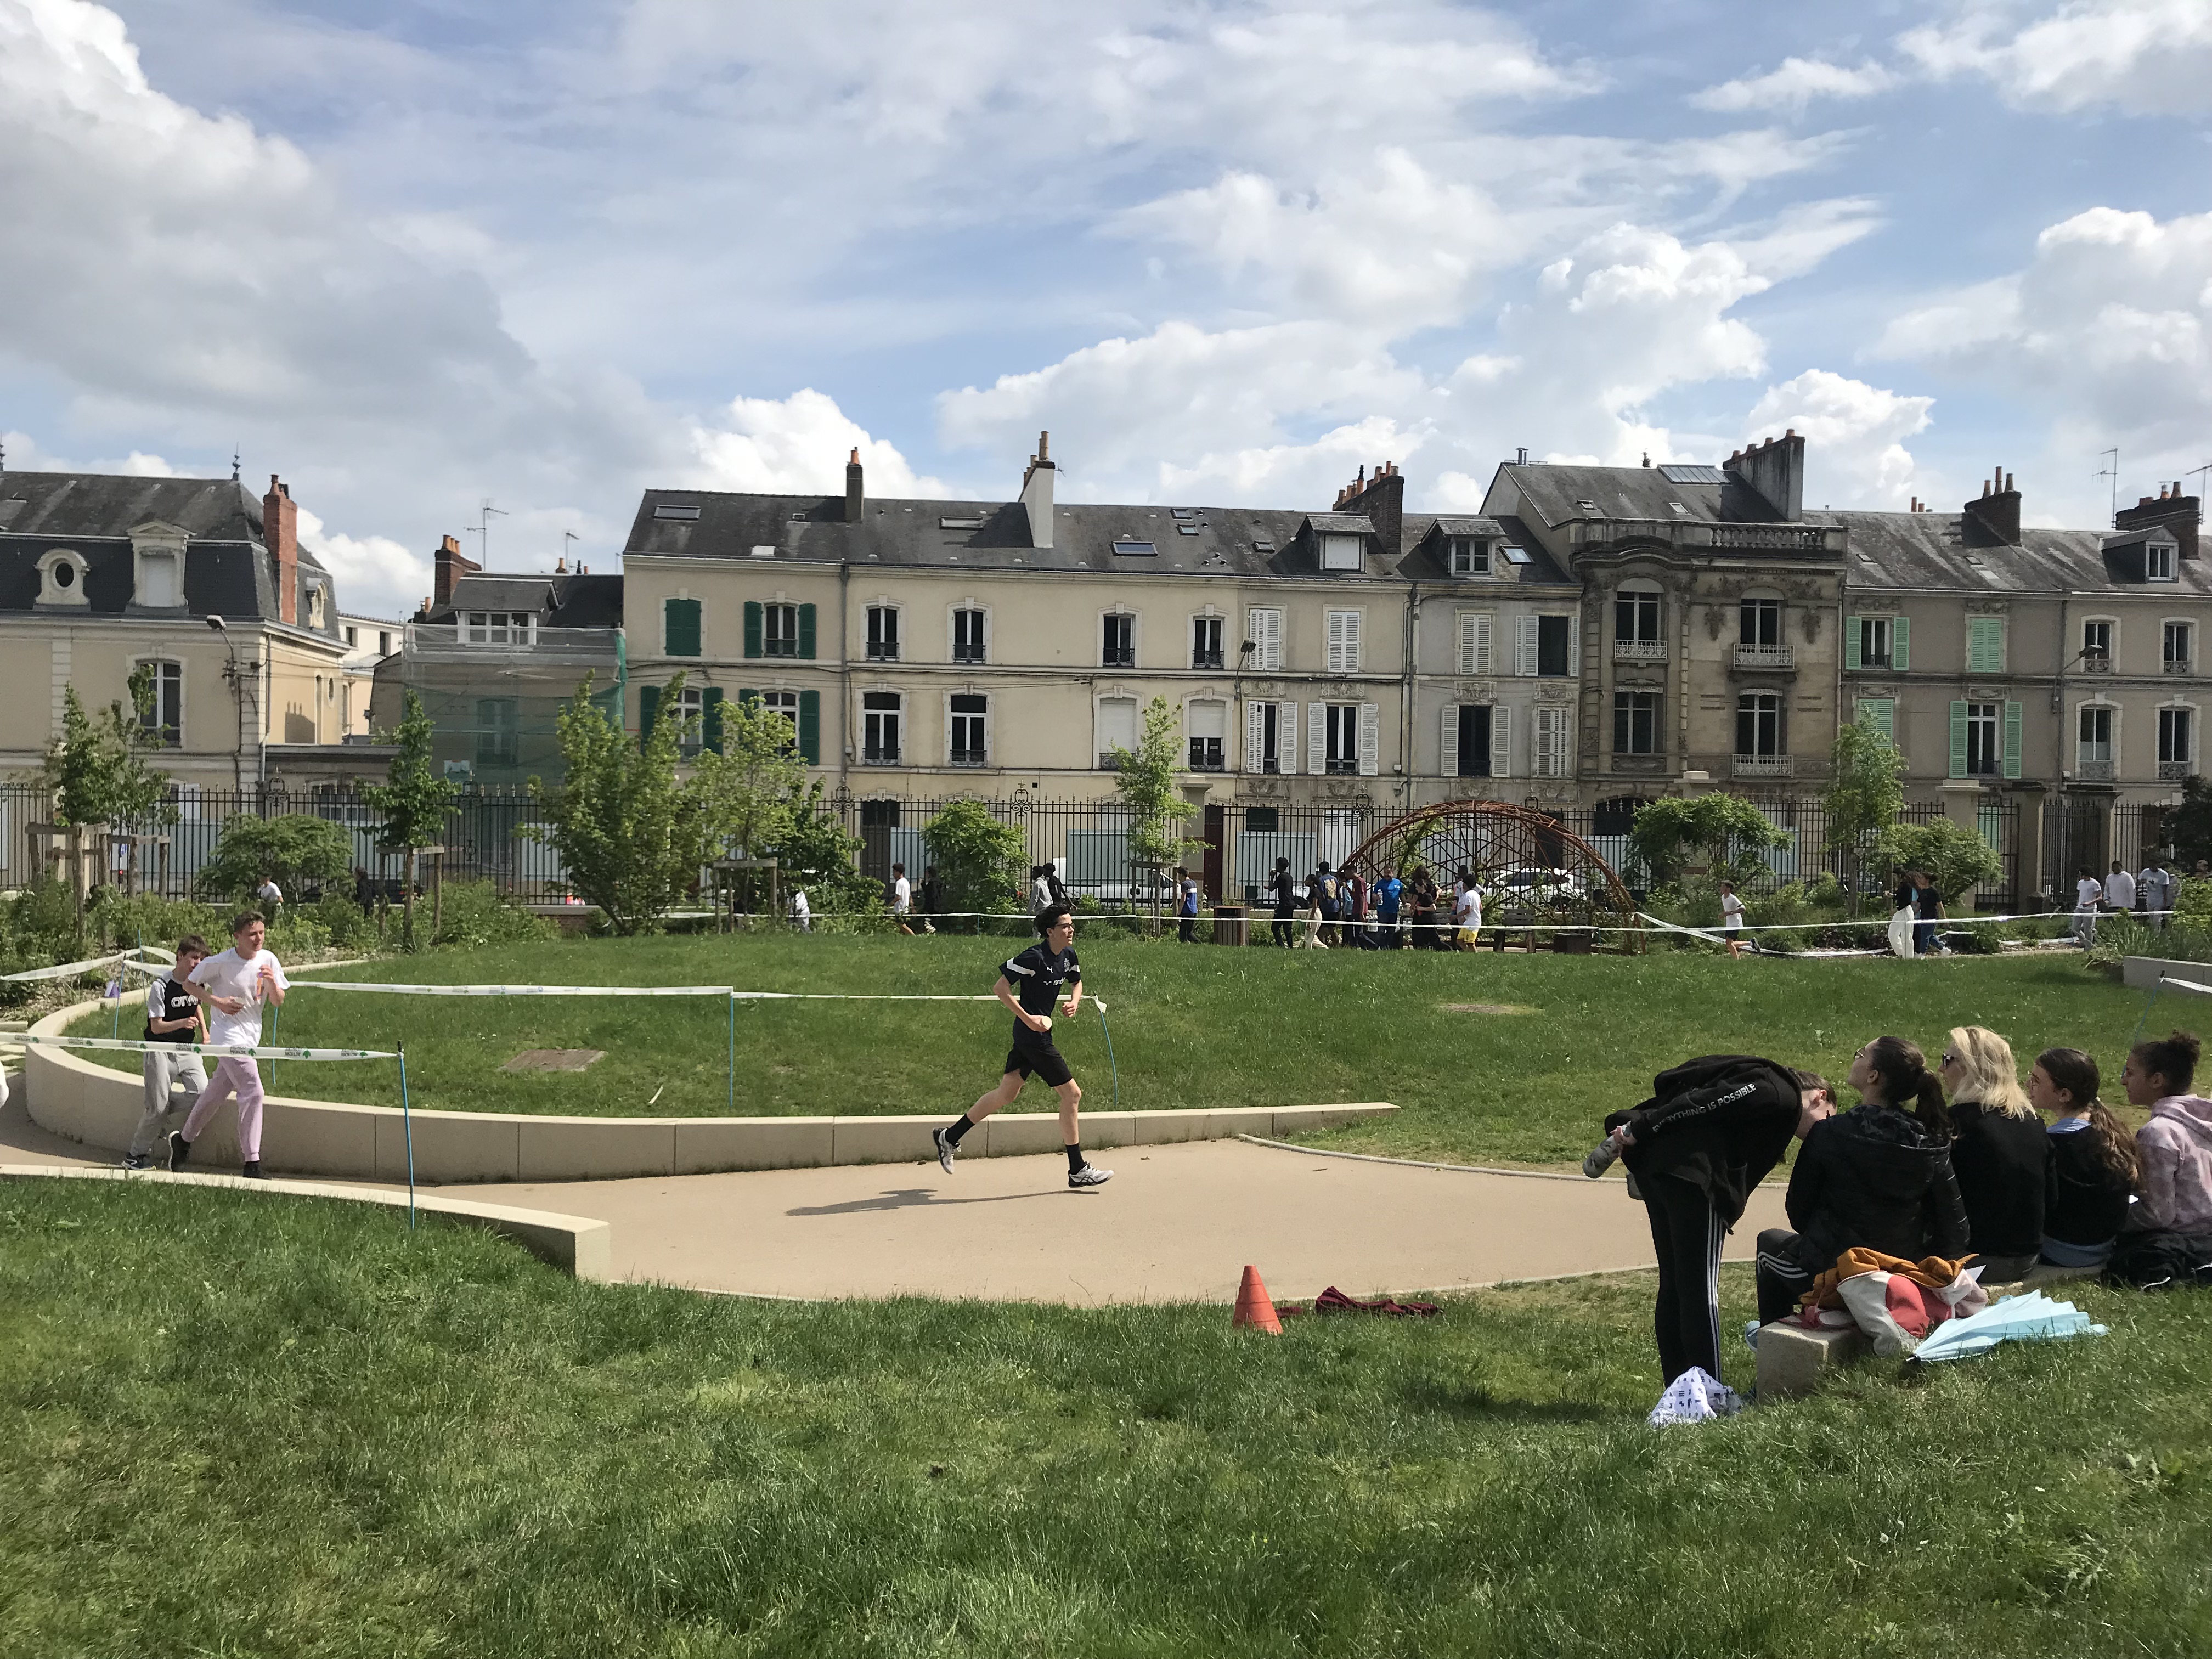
pixel 2089 1181
pixel 1324 907
pixel 1186 907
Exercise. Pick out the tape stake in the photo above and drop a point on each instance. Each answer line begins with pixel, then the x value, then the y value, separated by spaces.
pixel 407 1122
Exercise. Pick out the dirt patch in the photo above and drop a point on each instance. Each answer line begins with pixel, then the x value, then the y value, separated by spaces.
pixel 554 1060
pixel 1485 1008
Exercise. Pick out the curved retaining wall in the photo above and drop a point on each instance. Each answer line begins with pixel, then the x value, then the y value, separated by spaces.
pixel 98 1106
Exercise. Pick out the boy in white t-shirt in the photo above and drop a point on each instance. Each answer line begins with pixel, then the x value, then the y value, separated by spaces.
pixel 2089 894
pixel 901 898
pixel 1732 918
pixel 1467 913
pixel 233 986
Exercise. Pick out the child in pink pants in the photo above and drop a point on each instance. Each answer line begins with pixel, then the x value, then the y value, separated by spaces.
pixel 234 986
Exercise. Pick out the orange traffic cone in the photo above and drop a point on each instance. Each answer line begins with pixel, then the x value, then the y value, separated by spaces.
pixel 1253 1306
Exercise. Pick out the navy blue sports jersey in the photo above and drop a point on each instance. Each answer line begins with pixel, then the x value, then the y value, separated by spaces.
pixel 1036 975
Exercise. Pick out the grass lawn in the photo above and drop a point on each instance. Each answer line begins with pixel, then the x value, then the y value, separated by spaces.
pixel 241 1426
pixel 1196 1026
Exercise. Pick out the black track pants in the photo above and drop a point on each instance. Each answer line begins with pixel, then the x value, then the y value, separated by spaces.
pixel 1784 1273
pixel 1687 1233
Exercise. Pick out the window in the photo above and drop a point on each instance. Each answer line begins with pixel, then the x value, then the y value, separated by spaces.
pixel 780 630
pixel 1266 742
pixel 1477 652
pixel 1985 645
pixel 970 717
pixel 2092 741
pixel 1340 738
pixel 1470 556
pixel 1467 739
pixel 691 711
pixel 1877 714
pixel 1265 629
pixel 1117 646
pixel 1874 641
pixel 521 628
pixel 880 717
pixel 1208 723
pixel 2096 646
pixel 1635 722
pixel 785 703
pixel 2174 648
pixel 163 716
pixel 2158 561
pixel 1984 752
pixel 1758 725
pixel 967 635
pixel 1546 646
pixel 1343 642
pixel 1759 625
pixel 1339 552
pixel 1117 728
pixel 1551 747
pixel 498 732
pixel 318 615
pixel 1636 616
pixel 882 633
pixel 352 635
pixel 383 642
pixel 2177 747
pixel 1206 641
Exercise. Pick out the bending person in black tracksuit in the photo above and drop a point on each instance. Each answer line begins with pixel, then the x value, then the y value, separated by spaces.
pixel 1878 1175
pixel 1711 1130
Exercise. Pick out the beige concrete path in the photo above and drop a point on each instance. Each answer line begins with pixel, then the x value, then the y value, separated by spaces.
pixel 1177 1223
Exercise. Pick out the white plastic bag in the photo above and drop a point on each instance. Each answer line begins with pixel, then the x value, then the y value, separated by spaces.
pixel 1695 1396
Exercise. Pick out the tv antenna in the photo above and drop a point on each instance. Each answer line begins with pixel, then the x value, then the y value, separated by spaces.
pixel 2113 473
pixel 567 535
pixel 482 529
pixel 2198 473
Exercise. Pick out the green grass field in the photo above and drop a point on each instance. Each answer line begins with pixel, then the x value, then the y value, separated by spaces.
pixel 243 1426
pixel 1191 1026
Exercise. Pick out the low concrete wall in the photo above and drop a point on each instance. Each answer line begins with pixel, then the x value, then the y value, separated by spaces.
pixel 576 1244
pixel 2141 973
pixel 70 1096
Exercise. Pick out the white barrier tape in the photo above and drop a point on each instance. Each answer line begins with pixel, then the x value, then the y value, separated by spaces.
pixel 2186 985
pixel 849 996
pixel 519 990
pixel 68 969
pixel 219 1050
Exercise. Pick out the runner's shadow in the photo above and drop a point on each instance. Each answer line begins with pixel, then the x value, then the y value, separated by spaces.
pixel 906 1198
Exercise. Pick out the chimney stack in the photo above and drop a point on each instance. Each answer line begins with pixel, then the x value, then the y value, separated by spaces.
pixel 856 495
pixel 1381 495
pixel 1037 492
pixel 2177 512
pixel 280 532
pixel 448 567
pixel 1776 471
pixel 1994 520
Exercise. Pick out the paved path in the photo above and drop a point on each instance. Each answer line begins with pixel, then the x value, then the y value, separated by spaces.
pixel 1178 1222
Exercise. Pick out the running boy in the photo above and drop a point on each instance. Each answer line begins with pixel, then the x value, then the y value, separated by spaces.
pixel 235 983
pixel 1041 970
pixel 175 1019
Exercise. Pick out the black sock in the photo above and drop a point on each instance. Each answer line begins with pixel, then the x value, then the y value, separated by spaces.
pixel 1074 1158
pixel 962 1127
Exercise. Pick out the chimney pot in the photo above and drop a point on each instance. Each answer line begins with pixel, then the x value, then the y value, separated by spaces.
pixel 1044 446
pixel 2008 483
pixel 2142 501
pixel 1788 431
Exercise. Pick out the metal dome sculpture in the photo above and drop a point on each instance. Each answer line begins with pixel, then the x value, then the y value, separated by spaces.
pixel 1532 869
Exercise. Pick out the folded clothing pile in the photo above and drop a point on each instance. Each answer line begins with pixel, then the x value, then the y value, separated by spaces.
pixel 1895 1302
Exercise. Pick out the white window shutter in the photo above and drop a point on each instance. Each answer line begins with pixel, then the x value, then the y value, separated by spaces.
pixel 1485 644
pixel 1449 762
pixel 1371 740
pixel 1551 755
pixel 1501 742
pixel 1351 642
pixel 1464 648
pixel 1286 737
pixel 1267 636
pixel 1524 645
pixel 1332 642
pixel 1575 645
pixel 1316 737
pixel 1255 735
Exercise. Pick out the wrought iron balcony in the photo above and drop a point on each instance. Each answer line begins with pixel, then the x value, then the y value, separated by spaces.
pixel 1206 754
pixel 1640 650
pixel 1762 766
pixel 2094 771
pixel 2096 662
pixel 2177 665
pixel 1768 657
pixel 1205 659
pixel 970 757
pixel 2174 771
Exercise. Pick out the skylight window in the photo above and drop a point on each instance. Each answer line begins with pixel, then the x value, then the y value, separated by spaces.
pixel 1680 474
pixel 1183 512
pixel 1135 550
pixel 1587 506
pixel 1678 509
pixel 675 510
pixel 959 523
pixel 1187 529
pixel 761 551
pixel 1515 554
pixel 1263 545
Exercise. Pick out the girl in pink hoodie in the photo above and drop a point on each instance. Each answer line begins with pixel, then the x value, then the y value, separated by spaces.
pixel 2175 1147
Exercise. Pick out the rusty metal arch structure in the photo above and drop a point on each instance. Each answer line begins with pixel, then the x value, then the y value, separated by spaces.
pixel 1491 837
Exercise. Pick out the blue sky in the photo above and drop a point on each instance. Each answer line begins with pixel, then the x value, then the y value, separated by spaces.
pixel 415 257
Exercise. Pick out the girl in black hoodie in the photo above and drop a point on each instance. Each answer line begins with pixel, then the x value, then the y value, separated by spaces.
pixel 1711 1130
pixel 1878 1176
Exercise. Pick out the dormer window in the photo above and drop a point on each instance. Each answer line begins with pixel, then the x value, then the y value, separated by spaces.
pixel 61 578
pixel 317 614
pixel 2159 562
pixel 1470 556
pixel 1339 552
pixel 498 627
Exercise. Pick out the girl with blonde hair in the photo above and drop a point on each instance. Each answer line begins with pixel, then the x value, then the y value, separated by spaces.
pixel 1999 1151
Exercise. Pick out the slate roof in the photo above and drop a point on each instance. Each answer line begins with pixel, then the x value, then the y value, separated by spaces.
pixel 1932 551
pixel 1557 492
pixel 1428 559
pixel 567 599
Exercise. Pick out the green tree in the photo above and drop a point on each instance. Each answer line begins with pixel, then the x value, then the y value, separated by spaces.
pixel 632 835
pixel 299 851
pixel 1957 860
pixel 413 801
pixel 97 772
pixel 1727 830
pixel 2189 826
pixel 814 849
pixel 745 792
pixel 979 859
pixel 1863 800
pixel 1146 778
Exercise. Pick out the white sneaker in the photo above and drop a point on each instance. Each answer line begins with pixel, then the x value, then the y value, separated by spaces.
pixel 1089 1176
pixel 945 1148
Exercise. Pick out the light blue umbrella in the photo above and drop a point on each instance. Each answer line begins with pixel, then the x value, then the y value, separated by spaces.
pixel 2031 1317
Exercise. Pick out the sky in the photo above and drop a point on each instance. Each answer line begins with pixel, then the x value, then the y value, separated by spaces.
pixel 419 257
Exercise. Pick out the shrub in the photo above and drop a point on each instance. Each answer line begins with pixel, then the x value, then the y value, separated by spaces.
pixel 473 912
pixel 302 853
pixel 979 859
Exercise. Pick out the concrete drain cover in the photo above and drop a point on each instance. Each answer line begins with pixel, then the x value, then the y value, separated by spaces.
pixel 553 1059
pixel 1485 1008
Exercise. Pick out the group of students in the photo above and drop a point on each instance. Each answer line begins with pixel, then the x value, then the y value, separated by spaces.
pixel 2148 895
pixel 1344 909
pixel 1959 1162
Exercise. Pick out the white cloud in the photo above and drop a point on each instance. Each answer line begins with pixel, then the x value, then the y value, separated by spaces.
pixel 1794 86
pixel 799 443
pixel 376 576
pixel 2143 55
pixel 1854 435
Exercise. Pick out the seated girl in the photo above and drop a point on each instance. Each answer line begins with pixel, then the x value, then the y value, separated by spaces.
pixel 2175 1147
pixel 2090 1178
pixel 1998 1149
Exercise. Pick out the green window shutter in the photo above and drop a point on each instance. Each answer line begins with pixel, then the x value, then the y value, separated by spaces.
pixel 1900 637
pixel 749 694
pixel 1985 645
pixel 807 633
pixel 810 726
pixel 648 704
pixel 680 626
pixel 710 719
pixel 1879 714
pixel 752 627
pixel 1851 643
pixel 2012 739
pixel 1958 739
